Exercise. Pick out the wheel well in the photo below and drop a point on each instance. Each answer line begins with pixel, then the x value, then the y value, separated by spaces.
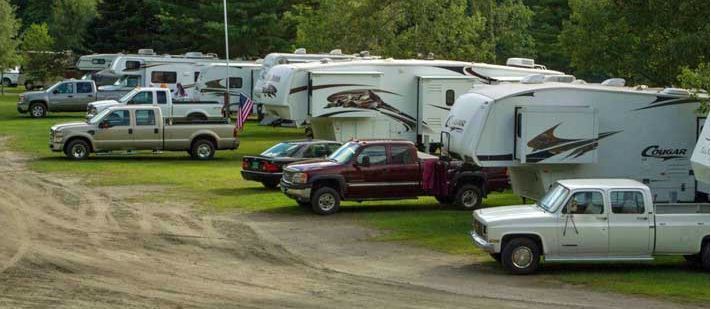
pixel 333 183
pixel 39 102
pixel 71 139
pixel 704 242
pixel 534 237
pixel 197 114
pixel 473 180
pixel 204 136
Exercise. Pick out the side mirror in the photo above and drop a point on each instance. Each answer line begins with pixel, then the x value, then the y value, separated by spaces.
pixel 365 161
pixel 104 124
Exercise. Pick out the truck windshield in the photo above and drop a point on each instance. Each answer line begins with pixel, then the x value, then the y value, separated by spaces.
pixel 126 97
pixel 98 116
pixel 553 198
pixel 344 154
pixel 281 150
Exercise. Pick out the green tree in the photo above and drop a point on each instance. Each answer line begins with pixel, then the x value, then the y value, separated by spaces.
pixel 40 62
pixel 641 41
pixel 545 29
pixel 126 25
pixel 32 12
pixel 512 35
pixel 8 39
pixel 70 21
pixel 696 79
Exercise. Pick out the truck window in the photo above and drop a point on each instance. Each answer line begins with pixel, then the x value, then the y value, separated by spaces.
pixel 159 77
pixel 119 118
pixel 627 202
pixel 376 154
pixel 143 97
pixel 65 88
pixel 145 117
pixel 401 154
pixel 161 97
pixel 585 203
pixel 84 88
pixel 235 82
pixel 133 65
pixel 332 148
pixel 316 151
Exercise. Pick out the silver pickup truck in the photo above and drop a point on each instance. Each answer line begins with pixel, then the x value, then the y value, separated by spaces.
pixel 65 96
pixel 135 128
pixel 592 220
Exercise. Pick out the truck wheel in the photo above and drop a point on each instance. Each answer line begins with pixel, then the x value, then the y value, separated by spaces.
pixel 521 256
pixel 468 197
pixel 705 257
pixel 325 201
pixel 270 185
pixel 38 110
pixel 77 150
pixel 202 149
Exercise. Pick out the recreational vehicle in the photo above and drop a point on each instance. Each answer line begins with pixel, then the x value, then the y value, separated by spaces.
pixel 211 83
pixel 398 99
pixel 547 131
pixel 10 77
pixel 700 158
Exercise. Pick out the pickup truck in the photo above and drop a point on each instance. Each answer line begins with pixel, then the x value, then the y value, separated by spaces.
pixel 163 98
pixel 132 128
pixel 592 220
pixel 65 96
pixel 381 170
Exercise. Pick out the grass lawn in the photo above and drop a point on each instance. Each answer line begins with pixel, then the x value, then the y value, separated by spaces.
pixel 216 185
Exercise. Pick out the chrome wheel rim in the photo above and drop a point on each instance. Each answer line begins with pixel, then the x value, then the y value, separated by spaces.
pixel 204 151
pixel 522 257
pixel 469 198
pixel 326 201
pixel 37 111
pixel 78 151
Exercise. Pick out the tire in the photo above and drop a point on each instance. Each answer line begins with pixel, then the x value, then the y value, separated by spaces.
pixel 77 150
pixel 270 185
pixel 202 149
pixel 705 257
pixel 496 256
pixel 325 201
pixel 38 110
pixel 468 197
pixel 521 256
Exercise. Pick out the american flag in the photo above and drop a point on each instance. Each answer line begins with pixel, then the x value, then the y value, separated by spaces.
pixel 245 108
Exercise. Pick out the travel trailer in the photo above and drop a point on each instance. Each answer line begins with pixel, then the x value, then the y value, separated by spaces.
pixel 210 84
pixel 396 99
pixel 95 62
pixel 547 131
pixel 179 77
pixel 700 158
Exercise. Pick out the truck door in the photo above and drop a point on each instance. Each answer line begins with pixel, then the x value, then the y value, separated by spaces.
pixel 84 94
pixel 115 131
pixel 147 134
pixel 631 226
pixel 367 181
pixel 62 97
pixel 583 226
pixel 403 175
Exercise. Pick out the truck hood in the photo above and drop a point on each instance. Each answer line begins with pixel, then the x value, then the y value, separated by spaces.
pixel 312 165
pixel 103 104
pixel 114 88
pixel 527 213
pixel 70 125
pixel 33 93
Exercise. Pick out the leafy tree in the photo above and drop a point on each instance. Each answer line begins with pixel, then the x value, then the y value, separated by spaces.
pixel 512 37
pixel 545 29
pixel 126 25
pixel 641 41
pixel 32 12
pixel 696 79
pixel 8 43
pixel 70 21
pixel 40 63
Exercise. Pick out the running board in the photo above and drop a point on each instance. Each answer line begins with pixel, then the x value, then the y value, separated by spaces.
pixel 127 152
pixel 645 258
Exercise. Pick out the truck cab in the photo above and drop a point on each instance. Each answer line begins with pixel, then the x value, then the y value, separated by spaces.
pixel 591 220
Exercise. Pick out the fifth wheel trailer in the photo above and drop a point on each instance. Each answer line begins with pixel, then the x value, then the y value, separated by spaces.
pixel 544 132
pixel 700 157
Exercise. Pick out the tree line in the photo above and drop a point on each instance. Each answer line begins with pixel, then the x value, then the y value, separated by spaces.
pixel 654 42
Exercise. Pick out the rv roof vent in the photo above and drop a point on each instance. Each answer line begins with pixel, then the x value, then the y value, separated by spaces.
pixel 533 79
pixel 614 82
pixel 579 81
pixel 300 51
pixel 430 56
pixel 364 53
pixel 146 51
pixel 520 62
pixel 336 52
pixel 325 60
pixel 675 91
pixel 559 78
pixel 194 55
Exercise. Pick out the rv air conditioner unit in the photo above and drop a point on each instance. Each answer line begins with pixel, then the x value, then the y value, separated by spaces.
pixel 146 51
pixel 194 55
pixel 675 91
pixel 533 79
pixel 614 82
pixel 521 62
pixel 300 51
pixel 559 78
pixel 365 53
pixel 336 52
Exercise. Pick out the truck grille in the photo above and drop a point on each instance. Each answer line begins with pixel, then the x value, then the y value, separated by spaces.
pixel 51 136
pixel 479 228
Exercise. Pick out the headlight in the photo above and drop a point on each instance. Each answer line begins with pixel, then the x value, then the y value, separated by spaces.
pixel 300 178
pixel 57 136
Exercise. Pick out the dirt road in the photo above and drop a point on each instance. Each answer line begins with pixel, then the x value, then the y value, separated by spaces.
pixel 67 245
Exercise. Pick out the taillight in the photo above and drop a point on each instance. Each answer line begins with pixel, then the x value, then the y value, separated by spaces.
pixel 270 167
pixel 245 164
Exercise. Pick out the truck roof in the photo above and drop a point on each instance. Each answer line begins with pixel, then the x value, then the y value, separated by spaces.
pixel 602 183
pixel 133 107
pixel 382 141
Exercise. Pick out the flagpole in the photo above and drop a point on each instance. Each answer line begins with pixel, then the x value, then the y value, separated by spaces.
pixel 227 60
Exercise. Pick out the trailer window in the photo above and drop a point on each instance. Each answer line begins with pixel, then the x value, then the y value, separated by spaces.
pixel 145 117
pixel 627 202
pixel 197 75
pixel 159 77
pixel 449 97
pixel 98 61
pixel 133 65
pixel 401 155
pixel 235 82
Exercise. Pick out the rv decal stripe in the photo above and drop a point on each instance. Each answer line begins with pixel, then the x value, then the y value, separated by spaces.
pixel 583 147
pixel 526 94
pixel 298 89
pixel 440 107
pixel 547 139
pixel 668 103
pixel 504 157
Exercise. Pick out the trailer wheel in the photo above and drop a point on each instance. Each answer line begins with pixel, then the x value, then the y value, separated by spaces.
pixel 77 149
pixel 468 197
pixel 38 110
pixel 202 149
pixel 325 201
pixel 705 257
pixel 521 256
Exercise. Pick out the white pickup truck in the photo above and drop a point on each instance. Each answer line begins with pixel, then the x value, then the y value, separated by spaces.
pixel 163 98
pixel 592 220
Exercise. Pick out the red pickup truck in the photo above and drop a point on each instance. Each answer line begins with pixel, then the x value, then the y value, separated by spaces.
pixel 386 169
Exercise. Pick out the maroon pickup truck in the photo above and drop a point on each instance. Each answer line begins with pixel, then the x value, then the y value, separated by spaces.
pixel 382 170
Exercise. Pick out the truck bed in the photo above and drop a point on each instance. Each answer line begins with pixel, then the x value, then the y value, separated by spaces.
pixel 680 227
pixel 681 208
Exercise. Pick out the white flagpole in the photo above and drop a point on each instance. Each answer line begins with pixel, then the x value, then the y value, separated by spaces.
pixel 227 58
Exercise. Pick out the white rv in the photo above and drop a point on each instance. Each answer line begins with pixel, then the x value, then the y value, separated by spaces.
pixel 700 158
pixel 11 77
pixel 95 62
pixel 211 83
pixel 403 99
pixel 547 131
